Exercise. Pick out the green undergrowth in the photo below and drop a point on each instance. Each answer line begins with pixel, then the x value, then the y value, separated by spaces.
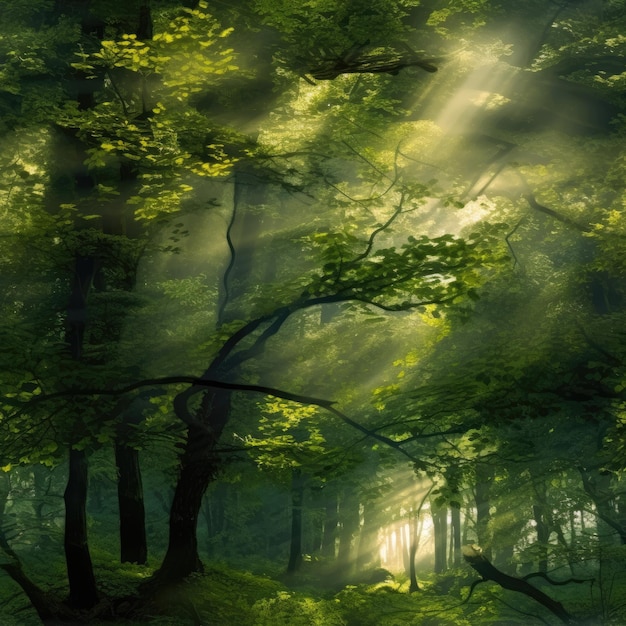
pixel 225 596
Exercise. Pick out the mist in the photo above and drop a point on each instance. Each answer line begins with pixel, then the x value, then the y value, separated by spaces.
pixel 312 314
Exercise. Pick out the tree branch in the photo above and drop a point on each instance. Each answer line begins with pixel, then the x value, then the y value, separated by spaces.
pixel 487 571
pixel 219 384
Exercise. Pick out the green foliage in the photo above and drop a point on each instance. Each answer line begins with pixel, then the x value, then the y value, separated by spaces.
pixel 486 333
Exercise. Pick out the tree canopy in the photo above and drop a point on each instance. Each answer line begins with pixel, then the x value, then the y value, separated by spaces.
pixel 332 291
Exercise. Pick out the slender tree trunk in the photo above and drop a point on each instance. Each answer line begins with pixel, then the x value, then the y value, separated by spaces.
pixel 133 543
pixel 297 502
pixel 83 593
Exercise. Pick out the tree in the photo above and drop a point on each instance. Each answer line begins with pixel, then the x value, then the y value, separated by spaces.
pixel 469 323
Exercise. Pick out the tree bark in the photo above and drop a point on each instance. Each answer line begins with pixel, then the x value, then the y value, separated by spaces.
pixel 83 591
pixel 198 466
pixel 297 501
pixel 133 543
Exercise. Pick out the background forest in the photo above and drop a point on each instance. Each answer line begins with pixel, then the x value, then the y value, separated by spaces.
pixel 313 312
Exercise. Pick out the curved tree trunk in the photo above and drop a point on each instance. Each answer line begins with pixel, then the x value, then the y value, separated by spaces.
pixel 198 466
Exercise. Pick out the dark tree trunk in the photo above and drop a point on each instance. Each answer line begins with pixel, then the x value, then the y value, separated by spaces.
pixel 198 466
pixel 83 592
pixel 297 501
pixel 133 543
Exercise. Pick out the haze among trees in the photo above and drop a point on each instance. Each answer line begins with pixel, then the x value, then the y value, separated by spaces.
pixel 313 313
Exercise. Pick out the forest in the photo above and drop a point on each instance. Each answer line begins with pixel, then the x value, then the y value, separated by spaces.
pixel 314 313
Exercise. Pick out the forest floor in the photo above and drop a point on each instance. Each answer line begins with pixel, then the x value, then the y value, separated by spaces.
pixel 224 596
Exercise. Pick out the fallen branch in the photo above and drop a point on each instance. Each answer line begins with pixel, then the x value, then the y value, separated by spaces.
pixel 473 555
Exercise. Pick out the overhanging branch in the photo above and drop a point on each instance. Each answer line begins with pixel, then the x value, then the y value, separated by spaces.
pixel 219 384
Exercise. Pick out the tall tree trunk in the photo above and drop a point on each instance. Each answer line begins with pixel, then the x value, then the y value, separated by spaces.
pixel 83 592
pixel 133 543
pixel 198 466
pixel 297 501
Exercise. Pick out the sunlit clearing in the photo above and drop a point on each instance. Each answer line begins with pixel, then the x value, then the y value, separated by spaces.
pixel 395 541
pixel 408 509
